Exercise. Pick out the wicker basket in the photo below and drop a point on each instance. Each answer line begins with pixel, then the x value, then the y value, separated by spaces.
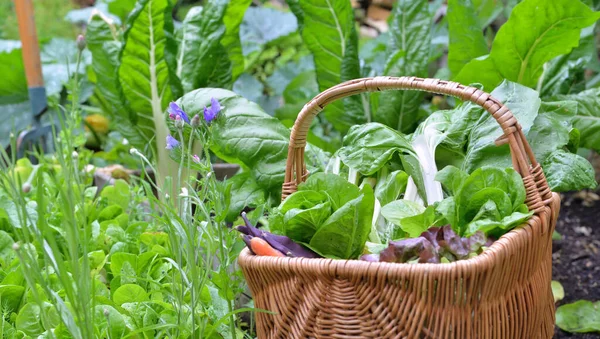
pixel 502 293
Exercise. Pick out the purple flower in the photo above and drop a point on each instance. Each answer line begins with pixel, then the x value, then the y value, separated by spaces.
pixel 196 158
pixel 211 113
pixel 176 111
pixel 171 142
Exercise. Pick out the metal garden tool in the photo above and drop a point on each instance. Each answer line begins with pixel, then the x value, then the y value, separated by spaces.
pixel 39 135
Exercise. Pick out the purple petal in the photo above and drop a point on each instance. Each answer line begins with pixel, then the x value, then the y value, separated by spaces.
pixel 215 105
pixel 171 142
pixel 176 111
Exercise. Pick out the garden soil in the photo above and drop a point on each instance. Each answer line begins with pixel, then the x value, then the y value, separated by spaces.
pixel 576 257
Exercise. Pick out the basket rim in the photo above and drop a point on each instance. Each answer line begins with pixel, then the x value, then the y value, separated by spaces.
pixel 348 266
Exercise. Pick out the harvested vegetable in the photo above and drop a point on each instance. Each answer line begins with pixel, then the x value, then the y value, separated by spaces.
pixel 261 247
pixel 437 244
pixel 281 243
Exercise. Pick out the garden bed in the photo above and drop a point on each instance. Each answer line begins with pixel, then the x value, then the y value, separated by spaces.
pixel 576 256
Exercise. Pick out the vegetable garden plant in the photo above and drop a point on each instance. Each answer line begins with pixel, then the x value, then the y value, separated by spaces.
pixel 401 176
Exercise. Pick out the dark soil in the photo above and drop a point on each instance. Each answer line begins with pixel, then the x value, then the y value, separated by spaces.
pixel 576 258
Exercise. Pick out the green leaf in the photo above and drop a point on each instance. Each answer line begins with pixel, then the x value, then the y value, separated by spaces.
pixel 466 38
pixel 234 14
pixel 345 232
pixel 129 293
pixel 117 194
pixel 397 210
pixel 451 179
pixel 210 36
pixel 29 318
pixel 112 325
pixel 568 172
pixel 407 55
pixel 520 49
pixel 13 88
pixel 327 29
pixel 557 290
pixel 391 186
pixel 487 11
pixel 244 134
pixel 121 8
pixel 11 296
pixel 145 72
pixel 587 119
pixel 580 317
pixel 335 187
pixel 566 74
pixel 303 213
pixel 481 150
pixel 367 148
pixel 245 192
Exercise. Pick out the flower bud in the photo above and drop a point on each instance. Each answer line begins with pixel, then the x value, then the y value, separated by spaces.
pixel 81 42
pixel 106 313
pixel 133 151
pixel 125 142
pixel 75 155
pixel 196 158
pixel 16 246
pixel 26 187
pixel 195 121
pixel 178 122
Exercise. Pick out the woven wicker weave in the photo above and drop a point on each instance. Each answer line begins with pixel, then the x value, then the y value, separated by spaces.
pixel 502 293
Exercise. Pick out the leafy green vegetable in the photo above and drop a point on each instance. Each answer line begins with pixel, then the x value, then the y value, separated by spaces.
pixel 587 118
pixel 520 49
pixel 407 54
pixel 466 39
pixel 369 147
pixel 567 171
pixel 330 215
pixel 581 316
pixel 328 31
pixel 345 232
pixel 391 186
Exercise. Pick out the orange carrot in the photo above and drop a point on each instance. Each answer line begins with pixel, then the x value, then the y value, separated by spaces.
pixel 261 247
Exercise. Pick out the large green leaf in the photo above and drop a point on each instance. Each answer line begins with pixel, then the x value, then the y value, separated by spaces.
pixel 105 45
pixel 481 150
pixel 144 72
pixel 408 55
pixel 466 38
pixel 568 172
pixel 581 316
pixel 566 74
pixel 487 11
pixel 202 59
pixel 13 88
pixel 522 46
pixel 587 119
pixel 245 192
pixel 345 232
pixel 327 30
pixel 244 134
pixel 231 41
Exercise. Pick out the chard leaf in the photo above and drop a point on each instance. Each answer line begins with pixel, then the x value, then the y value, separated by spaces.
pixel 245 192
pixel 105 45
pixel 13 88
pixel 567 171
pixel 587 118
pixel 345 232
pixel 580 317
pixel 551 128
pixel 466 37
pixel 487 11
pixel 236 9
pixel 391 186
pixel 408 53
pixel 481 150
pixel 144 73
pixel 520 49
pixel 327 28
pixel 565 74
pixel 367 148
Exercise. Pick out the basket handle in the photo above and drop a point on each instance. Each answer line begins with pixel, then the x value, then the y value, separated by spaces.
pixel 523 159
